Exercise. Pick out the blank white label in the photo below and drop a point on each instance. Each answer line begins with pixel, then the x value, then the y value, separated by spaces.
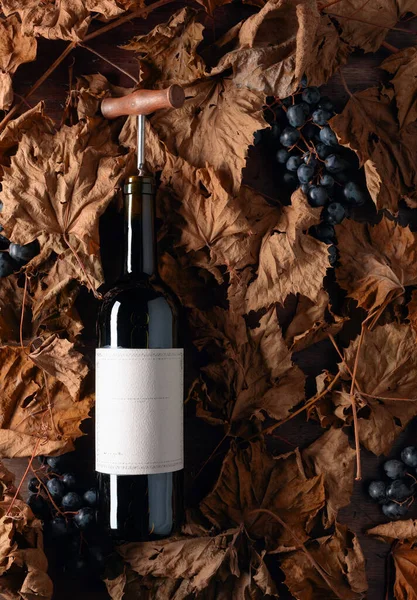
pixel 139 411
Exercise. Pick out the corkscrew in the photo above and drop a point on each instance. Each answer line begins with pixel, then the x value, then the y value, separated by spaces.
pixel 142 102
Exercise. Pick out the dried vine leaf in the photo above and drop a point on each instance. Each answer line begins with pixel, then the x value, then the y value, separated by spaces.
pixel 214 127
pixel 15 49
pixel 369 126
pixel 338 475
pixel 91 90
pixel 311 322
pixel 328 53
pixel 289 260
pixel 38 406
pixel 11 300
pixel 251 478
pixel 376 261
pixel 340 556
pixel 23 565
pixel 171 48
pixel 211 5
pixel 255 374
pixel 387 369
pixel 223 567
pixel 273 47
pixel 66 20
pixel 57 187
pixel 405 562
pixel 365 24
pixel 412 310
pixel 395 530
pixel 403 65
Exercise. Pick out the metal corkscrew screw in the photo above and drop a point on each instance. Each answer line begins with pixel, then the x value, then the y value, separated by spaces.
pixel 141 103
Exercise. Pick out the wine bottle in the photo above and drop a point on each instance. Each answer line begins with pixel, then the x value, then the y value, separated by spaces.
pixel 139 387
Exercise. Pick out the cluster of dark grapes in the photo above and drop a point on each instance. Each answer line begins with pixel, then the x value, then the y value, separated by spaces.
pixel 14 256
pixel 68 512
pixel 396 494
pixel 309 156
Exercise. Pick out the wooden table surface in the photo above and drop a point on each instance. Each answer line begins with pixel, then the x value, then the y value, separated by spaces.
pixel 360 73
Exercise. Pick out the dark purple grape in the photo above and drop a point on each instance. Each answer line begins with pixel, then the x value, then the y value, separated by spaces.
pixel 69 481
pixel 289 137
pixel 395 469
pixel 328 137
pixel 275 131
pixel 333 213
pixel 77 568
pixel 409 456
pixel 90 497
pixel 98 556
pixel 257 137
pixel 327 181
pixel 398 490
pixel 305 187
pixel 85 518
pixel 4 242
pixel 23 254
pixel 323 232
pixel 282 156
pixel 7 265
pixel 394 511
pixel 310 159
pixel 71 501
pixel 305 107
pixel 317 195
pixel 326 104
pixel 58 464
pixel 287 101
pixel 1 203
pixel 290 180
pixel 311 95
pixel 305 173
pixel 38 506
pixel 60 527
pixel 335 164
pixel 320 116
pixel 353 194
pixel 296 115
pixel 377 491
pixel 34 485
pixel 56 488
pixel 303 81
pixel 323 151
pixel 310 131
pixel 293 163
pixel 333 255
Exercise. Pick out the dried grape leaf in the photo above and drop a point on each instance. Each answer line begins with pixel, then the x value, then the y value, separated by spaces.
pixel 15 49
pixel 340 556
pixel 214 127
pixel 403 65
pixel 395 530
pixel 412 310
pixel 405 562
pixel 57 186
pixel 255 373
pixel 311 322
pixel 365 24
pixel 387 369
pixel 65 20
pixel 90 91
pixel 289 260
pixel 223 567
pixel 327 53
pixel 250 479
pixel 37 406
pixel 171 48
pixel 23 565
pixel 273 47
pixel 11 300
pixel 368 125
pixel 376 261
pixel 338 475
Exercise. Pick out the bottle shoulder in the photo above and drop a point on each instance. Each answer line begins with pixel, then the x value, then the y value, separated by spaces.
pixel 138 291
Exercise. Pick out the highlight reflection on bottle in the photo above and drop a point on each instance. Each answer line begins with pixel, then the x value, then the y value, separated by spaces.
pixel 139 388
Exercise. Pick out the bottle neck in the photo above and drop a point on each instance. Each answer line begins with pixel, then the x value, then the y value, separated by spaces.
pixel 139 227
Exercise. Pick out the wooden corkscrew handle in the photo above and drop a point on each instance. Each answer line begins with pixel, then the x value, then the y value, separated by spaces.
pixel 143 102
